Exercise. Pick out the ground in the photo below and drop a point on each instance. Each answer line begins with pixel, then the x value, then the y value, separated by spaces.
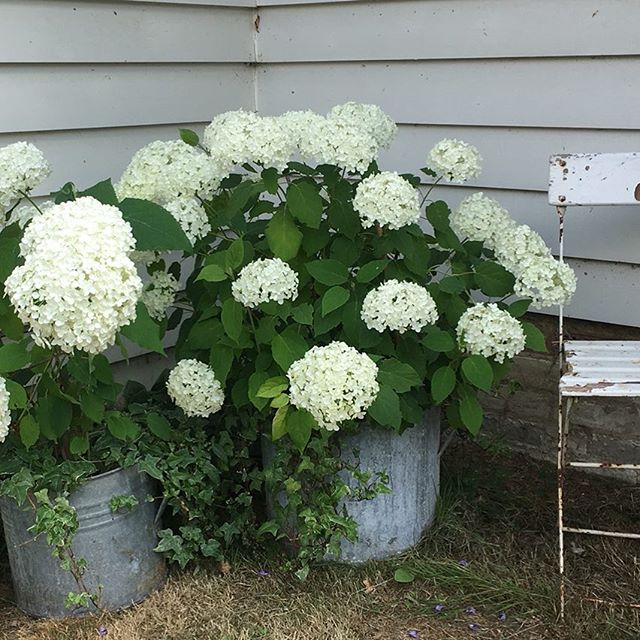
pixel 492 549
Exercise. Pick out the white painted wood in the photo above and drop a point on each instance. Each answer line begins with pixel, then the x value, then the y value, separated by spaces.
pixel 439 29
pixel 537 93
pixel 594 179
pixel 45 97
pixel 69 31
pixel 207 3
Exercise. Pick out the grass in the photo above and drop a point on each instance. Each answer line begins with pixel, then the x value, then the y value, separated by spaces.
pixel 496 513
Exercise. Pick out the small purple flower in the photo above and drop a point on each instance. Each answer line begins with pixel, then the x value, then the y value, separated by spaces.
pixel 263 572
pixel 502 616
pixel 470 611
pixel 473 627
pixel 102 630
pixel 413 633
pixel 463 563
pixel 439 608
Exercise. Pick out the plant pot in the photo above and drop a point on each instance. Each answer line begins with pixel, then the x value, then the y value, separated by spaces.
pixel 390 523
pixel 118 548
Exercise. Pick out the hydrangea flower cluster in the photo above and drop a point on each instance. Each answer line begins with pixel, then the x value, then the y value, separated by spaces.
pixel 368 117
pixel 264 280
pixel 5 414
pixel 22 167
pixel 333 383
pixel 77 287
pixel 480 218
pixel 398 306
pixel 387 199
pixel 159 294
pixel 193 386
pixel 489 331
pixel 455 160
pixel 191 216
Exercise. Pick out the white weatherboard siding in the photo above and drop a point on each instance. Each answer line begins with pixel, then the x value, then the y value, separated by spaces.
pixel 520 79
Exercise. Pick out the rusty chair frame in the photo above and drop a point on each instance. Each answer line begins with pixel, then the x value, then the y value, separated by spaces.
pixel 591 368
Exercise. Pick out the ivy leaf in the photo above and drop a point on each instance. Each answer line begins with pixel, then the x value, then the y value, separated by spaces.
pixel 279 424
pixel 443 383
pixel 13 356
pixel 493 279
pixel 439 341
pixel 300 424
pixel 283 236
pixel 385 410
pixel 477 370
pixel 288 347
pixel 231 316
pixel 212 273
pixel 190 137
pixel 470 412
pixel 329 272
pixel 29 431
pixel 144 331
pixel 333 299
pixel 304 203
pixel 159 426
pixel 371 270
pixel 535 339
pixel 398 375
pixel 154 228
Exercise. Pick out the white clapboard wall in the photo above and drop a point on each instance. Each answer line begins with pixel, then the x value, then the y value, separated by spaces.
pixel 519 79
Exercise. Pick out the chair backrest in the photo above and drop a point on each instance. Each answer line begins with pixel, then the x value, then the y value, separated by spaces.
pixel 594 179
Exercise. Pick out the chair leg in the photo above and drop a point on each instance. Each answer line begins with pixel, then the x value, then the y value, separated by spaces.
pixel 563 432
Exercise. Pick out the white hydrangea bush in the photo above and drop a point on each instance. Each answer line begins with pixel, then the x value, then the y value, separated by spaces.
pixel 399 306
pixel 334 383
pixel 22 168
pixel 193 386
pixel 5 413
pixel 480 218
pixel 265 280
pixel 159 294
pixel 455 160
pixel 78 285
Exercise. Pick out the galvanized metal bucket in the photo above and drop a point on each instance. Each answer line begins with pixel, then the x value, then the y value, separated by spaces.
pixel 118 548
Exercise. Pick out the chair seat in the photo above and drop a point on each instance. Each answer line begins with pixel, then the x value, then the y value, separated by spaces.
pixel 601 368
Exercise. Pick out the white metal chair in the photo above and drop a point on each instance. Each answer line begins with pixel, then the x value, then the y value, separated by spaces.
pixel 591 367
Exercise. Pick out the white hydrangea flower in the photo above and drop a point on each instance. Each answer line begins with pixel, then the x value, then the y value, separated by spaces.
pixel 193 386
pixel 77 287
pixel 455 160
pixel 333 383
pixel 387 199
pixel 159 294
pixel 272 144
pixel 5 414
pixel 398 306
pixel 369 117
pixel 298 124
pixel 264 280
pixel 22 168
pixel 229 137
pixel 538 274
pixel 489 331
pixel 480 218
pixel 164 171
pixel 191 216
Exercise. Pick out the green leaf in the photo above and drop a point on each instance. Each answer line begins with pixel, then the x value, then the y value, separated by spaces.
pixel 212 273
pixel 493 279
pixel 443 383
pixel 438 215
pixel 53 414
pixel 403 575
pixel 273 387
pixel 255 382
pixel 92 406
pixel 470 412
pixel 371 270
pixel 535 339
pixel 234 255
pixel 190 137
pixel 159 426
pixel 300 424
pixel 398 375
pixel 439 341
pixel 121 426
pixel 303 314
pixel 279 401
pixel 270 178
pixel 288 347
pixel 283 236
pixel 231 316
pixel 477 370
pixel 333 299
pixel 29 431
pixel 79 445
pixel 385 410
pixel 17 395
pixel 329 272
pixel 279 424
pixel 144 331
pixel 452 284
pixel 304 203
pixel 221 359
pixel 102 192
pixel 154 228
pixel 518 308
pixel 13 356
